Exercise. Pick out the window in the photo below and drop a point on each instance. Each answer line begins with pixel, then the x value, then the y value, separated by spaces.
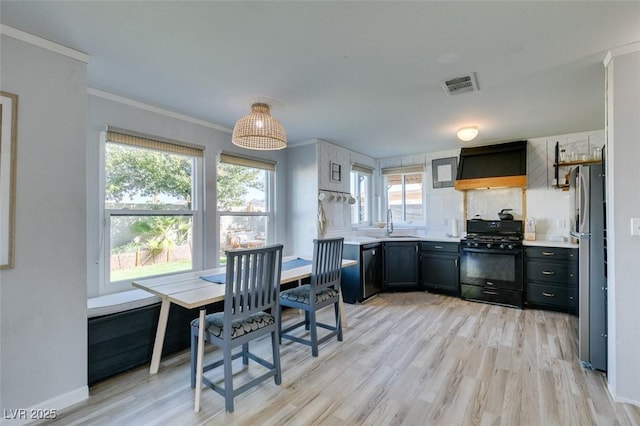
pixel 245 202
pixel 361 178
pixel 151 208
pixel 404 193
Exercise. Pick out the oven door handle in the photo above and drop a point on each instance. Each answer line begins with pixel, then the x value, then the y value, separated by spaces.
pixel 497 251
pixel 491 292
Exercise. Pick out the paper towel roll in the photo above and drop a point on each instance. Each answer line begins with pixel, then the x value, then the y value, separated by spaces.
pixel 454 227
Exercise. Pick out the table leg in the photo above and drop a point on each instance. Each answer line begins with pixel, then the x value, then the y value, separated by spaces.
pixel 160 332
pixel 199 360
pixel 343 316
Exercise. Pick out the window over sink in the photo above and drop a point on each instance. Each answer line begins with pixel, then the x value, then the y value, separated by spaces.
pixel 404 193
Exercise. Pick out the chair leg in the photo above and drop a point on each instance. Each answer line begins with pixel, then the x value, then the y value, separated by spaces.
pixel 338 321
pixel 306 320
pixel 314 332
pixel 276 356
pixel 228 378
pixel 245 353
pixel 280 325
pixel 194 347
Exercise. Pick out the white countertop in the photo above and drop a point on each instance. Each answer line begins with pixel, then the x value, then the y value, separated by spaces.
pixel 360 240
pixel 550 243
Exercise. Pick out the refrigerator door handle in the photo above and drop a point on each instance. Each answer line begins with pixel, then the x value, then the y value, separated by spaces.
pixel 583 195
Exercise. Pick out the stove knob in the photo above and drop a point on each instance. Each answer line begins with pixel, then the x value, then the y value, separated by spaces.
pixel 510 246
pixel 502 246
pixel 476 244
pixel 489 245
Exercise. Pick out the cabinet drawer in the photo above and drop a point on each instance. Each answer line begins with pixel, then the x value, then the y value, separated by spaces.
pixel 439 247
pixel 542 294
pixel 492 295
pixel 551 253
pixel 561 273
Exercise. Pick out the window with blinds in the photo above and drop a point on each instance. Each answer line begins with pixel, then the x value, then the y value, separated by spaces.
pixel 152 207
pixel 245 199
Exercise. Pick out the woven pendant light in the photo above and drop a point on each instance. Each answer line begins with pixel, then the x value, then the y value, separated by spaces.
pixel 259 130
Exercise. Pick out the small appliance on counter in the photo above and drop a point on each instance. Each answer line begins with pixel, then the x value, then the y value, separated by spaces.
pixel 530 229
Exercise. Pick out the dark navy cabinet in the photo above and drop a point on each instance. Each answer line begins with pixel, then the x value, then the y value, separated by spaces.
pixel 551 278
pixel 401 265
pixel 439 267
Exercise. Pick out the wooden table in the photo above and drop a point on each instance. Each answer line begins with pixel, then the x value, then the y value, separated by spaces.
pixel 190 291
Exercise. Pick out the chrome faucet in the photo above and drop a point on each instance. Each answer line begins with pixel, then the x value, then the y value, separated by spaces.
pixel 389 222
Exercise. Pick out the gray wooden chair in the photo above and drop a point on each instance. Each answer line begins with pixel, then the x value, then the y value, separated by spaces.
pixel 323 291
pixel 250 311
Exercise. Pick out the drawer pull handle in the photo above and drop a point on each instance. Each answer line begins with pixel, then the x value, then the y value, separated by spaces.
pixel 437 247
pixel 548 253
pixel 493 293
pixel 548 273
pixel 545 294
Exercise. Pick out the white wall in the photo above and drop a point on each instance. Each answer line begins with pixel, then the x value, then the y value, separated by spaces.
pixel 309 170
pixel 43 300
pixel 623 201
pixel 547 205
pixel 302 205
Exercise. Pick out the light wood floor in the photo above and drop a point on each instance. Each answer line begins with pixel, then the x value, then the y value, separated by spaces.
pixel 406 358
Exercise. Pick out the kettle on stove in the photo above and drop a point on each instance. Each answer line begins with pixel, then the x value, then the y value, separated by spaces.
pixel 505 216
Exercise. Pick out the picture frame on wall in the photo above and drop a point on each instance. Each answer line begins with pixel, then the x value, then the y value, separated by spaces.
pixel 8 147
pixel 444 171
pixel 335 172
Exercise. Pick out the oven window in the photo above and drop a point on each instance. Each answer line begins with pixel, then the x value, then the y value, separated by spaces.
pixel 489 266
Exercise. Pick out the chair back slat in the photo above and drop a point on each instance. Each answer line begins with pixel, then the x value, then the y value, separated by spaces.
pixel 253 281
pixel 326 270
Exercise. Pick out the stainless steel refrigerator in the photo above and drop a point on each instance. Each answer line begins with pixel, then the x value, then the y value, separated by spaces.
pixel 588 228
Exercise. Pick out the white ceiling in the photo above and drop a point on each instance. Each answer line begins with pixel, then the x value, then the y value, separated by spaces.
pixel 362 74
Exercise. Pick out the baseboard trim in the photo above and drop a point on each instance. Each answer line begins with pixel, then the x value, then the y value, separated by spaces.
pixel 50 406
pixel 621 400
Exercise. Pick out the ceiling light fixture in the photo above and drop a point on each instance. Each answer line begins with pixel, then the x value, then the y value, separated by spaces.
pixel 468 133
pixel 259 130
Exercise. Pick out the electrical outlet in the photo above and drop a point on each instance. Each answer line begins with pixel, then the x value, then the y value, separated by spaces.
pixel 635 226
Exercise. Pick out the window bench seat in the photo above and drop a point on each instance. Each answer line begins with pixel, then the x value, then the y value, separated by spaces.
pixel 119 302
pixel 122 329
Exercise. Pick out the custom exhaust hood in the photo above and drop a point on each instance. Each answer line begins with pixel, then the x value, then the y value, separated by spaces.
pixel 493 166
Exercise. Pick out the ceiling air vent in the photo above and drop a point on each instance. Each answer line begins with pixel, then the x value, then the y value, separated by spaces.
pixel 458 85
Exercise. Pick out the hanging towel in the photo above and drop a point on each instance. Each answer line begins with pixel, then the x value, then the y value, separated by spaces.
pixel 322 220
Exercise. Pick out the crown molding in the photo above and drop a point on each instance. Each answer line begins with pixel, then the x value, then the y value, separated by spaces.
pixel 45 44
pixel 157 110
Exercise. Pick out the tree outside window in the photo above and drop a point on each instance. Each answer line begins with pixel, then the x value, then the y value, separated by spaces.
pixel 149 208
pixel 244 203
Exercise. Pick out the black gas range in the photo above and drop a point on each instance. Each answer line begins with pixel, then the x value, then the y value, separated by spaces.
pixel 493 234
pixel 491 262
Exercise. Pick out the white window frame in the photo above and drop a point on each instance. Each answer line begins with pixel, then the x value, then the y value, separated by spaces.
pixel 105 286
pixel 356 172
pixel 269 214
pixel 403 171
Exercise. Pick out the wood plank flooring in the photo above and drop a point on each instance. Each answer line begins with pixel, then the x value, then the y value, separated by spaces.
pixel 406 359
